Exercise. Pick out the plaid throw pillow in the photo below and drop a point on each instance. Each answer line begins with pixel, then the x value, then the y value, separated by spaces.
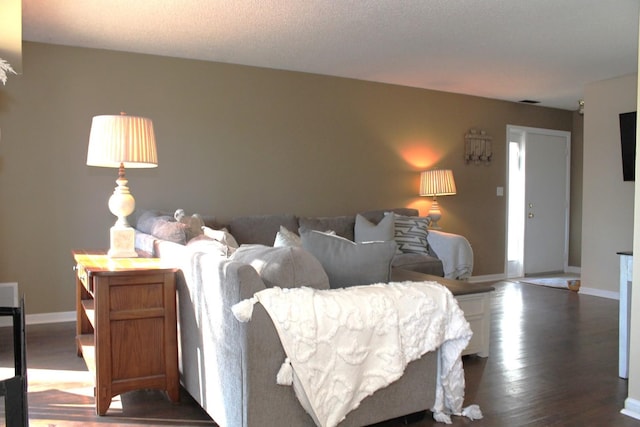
pixel 411 233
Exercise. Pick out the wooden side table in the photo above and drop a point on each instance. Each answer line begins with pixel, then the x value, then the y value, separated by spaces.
pixel 126 324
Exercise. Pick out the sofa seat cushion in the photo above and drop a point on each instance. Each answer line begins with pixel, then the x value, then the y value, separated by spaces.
pixel 284 267
pixel 422 263
pixel 348 263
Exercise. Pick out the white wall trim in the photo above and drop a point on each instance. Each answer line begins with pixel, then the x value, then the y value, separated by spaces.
pixel 34 319
pixel 600 293
pixel 487 278
pixel 631 408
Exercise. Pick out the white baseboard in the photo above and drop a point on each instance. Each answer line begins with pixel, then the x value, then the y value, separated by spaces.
pixel 600 293
pixel 34 319
pixel 487 278
pixel 631 408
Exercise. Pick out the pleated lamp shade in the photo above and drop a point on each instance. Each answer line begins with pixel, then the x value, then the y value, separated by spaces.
pixel 126 140
pixel 437 182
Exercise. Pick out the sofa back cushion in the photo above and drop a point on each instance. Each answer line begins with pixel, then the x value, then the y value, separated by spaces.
pixel 260 229
pixel 285 267
pixel 342 225
pixel 348 263
pixel 377 215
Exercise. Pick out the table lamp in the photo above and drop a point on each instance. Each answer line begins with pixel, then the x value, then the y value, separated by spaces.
pixel 436 182
pixel 119 142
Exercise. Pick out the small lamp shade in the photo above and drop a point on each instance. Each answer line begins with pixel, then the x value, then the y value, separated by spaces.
pixel 436 182
pixel 122 140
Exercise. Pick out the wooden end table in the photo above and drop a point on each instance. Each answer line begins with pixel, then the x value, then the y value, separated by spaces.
pixel 473 298
pixel 126 324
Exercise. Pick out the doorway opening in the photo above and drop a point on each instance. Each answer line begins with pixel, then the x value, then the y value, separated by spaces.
pixel 537 201
pixel 515 204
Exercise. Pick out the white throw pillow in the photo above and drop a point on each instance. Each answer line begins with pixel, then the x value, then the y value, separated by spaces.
pixel 285 237
pixel 223 236
pixel 366 231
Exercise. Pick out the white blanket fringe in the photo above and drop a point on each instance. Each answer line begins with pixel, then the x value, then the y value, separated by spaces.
pixel 285 374
pixel 441 417
pixel 472 412
pixel 244 309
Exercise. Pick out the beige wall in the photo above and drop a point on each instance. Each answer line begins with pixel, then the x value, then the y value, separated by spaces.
pixel 607 207
pixel 231 140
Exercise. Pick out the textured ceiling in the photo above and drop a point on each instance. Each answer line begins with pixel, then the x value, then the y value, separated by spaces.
pixel 544 50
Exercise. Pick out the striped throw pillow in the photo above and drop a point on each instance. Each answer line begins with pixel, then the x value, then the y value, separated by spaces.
pixel 411 233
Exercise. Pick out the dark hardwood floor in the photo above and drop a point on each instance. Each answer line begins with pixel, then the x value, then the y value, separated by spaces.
pixel 553 362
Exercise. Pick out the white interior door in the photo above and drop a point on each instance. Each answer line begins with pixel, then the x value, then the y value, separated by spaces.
pixel 546 197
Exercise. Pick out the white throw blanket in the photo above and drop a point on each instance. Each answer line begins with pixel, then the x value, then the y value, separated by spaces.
pixel 455 253
pixel 344 344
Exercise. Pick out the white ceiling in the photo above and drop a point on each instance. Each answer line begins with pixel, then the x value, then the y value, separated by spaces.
pixel 544 50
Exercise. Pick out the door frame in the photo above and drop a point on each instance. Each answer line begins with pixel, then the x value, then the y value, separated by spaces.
pixel 523 130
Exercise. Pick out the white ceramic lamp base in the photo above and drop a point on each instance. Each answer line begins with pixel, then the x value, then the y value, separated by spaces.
pixel 122 204
pixel 122 242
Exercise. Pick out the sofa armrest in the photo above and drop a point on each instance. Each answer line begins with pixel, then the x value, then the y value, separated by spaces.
pixel 454 251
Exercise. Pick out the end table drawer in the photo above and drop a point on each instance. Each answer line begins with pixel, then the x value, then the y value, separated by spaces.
pixel 471 304
pixel 82 275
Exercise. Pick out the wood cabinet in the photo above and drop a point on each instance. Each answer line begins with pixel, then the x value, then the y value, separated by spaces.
pixel 477 311
pixel 126 324
pixel 473 298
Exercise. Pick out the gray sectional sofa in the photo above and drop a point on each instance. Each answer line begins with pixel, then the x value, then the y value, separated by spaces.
pixel 229 367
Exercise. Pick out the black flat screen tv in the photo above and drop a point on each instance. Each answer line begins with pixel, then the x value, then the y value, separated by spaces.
pixel 628 141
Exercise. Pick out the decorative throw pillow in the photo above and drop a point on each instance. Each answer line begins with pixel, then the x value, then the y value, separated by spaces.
pixel 192 224
pixel 348 263
pixel 162 226
pixel 223 236
pixel 411 233
pixel 285 237
pixel 366 231
pixel 169 230
pixel 285 267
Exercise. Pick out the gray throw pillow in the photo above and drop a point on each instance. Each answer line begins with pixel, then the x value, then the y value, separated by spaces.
pixel 162 226
pixel 169 230
pixel 348 263
pixel 366 231
pixel 284 267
